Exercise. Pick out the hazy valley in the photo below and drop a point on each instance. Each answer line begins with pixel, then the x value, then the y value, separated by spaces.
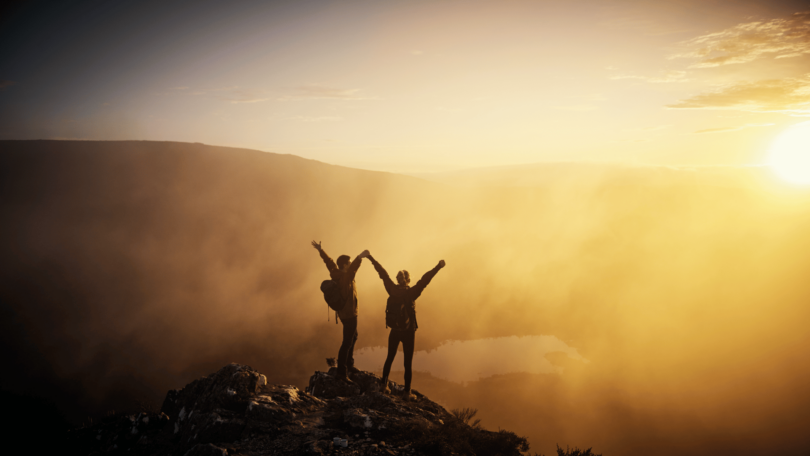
pixel 130 268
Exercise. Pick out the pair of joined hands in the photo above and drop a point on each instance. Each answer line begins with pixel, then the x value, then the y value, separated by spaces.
pixel 363 254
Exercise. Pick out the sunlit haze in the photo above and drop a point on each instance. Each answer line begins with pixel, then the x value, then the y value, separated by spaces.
pixel 620 190
pixel 790 154
pixel 483 358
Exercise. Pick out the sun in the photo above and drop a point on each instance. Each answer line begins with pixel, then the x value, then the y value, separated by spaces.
pixel 790 154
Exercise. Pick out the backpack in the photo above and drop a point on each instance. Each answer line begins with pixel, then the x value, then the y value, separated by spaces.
pixel 331 293
pixel 397 315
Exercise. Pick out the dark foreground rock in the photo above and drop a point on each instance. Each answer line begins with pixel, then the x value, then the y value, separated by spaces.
pixel 235 412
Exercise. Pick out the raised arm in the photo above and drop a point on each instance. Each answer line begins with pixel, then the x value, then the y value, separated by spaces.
pixel 387 282
pixel 355 265
pixel 330 264
pixel 417 289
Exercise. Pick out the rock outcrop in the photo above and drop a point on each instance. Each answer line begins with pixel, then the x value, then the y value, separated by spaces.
pixel 235 412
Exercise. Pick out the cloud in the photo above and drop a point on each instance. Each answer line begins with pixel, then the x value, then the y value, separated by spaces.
pixel 643 25
pixel 4 84
pixel 729 129
pixel 788 95
pixel 229 94
pixel 234 95
pixel 249 100
pixel 670 76
pixel 317 119
pixel 207 91
pixel 654 128
pixel 237 95
pixel 779 38
pixel 632 140
pixel 318 92
pixel 576 108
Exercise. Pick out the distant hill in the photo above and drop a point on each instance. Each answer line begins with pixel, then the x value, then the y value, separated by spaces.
pixel 141 259
pixel 594 174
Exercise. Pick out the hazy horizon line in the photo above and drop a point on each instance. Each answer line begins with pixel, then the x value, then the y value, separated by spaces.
pixel 447 170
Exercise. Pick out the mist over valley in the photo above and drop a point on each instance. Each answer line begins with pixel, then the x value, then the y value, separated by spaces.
pixel 595 309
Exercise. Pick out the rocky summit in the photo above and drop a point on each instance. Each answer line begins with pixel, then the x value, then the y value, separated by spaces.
pixel 235 412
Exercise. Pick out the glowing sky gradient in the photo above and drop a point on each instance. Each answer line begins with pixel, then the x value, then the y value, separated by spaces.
pixel 414 86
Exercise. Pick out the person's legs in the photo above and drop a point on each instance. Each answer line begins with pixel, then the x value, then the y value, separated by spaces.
pixel 393 344
pixel 349 338
pixel 350 351
pixel 408 342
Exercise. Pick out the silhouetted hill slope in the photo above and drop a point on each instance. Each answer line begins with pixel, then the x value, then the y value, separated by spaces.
pixel 235 411
pixel 123 255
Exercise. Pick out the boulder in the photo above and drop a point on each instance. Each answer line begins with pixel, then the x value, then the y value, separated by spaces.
pixel 325 385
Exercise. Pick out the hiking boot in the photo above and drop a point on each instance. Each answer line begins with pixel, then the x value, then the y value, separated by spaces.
pixel 384 386
pixel 407 396
pixel 343 377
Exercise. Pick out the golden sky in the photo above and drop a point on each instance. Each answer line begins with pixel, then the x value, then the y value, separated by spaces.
pixel 416 86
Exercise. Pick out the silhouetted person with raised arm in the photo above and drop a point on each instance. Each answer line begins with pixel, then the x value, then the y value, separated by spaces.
pixel 400 316
pixel 343 273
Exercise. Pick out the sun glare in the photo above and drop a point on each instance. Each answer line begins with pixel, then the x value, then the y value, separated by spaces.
pixel 790 154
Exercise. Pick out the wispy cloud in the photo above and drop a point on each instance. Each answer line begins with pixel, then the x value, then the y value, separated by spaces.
pixel 777 38
pixel 316 119
pixel 235 95
pixel 576 108
pixel 630 140
pixel 647 129
pixel 228 94
pixel 217 90
pixel 4 84
pixel 249 100
pixel 788 95
pixel 643 25
pixel 730 129
pixel 668 77
pixel 318 92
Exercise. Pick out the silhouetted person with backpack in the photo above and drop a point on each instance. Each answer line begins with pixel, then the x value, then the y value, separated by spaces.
pixel 343 274
pixel 400 316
